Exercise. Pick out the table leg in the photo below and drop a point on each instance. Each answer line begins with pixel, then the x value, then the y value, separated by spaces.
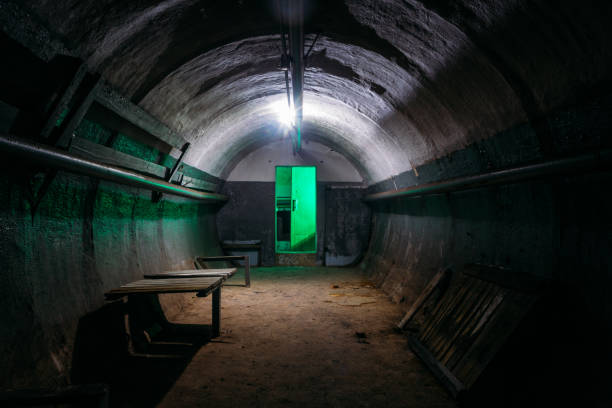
pixel 247 272
pixel 216 312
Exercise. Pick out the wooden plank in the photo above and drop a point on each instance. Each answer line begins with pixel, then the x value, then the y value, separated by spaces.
pixel 197 184
pixel 448 379
pixel 202 285
pixel 216 312
pixel 459 337
pixel 194 172
pixel 62 136
pixel 470 334
pixel 448 306
pixel 199 263
pixel 173 171
pixel 89 150
pixel 471 322
pixel 94 151
pixel 78 112
pixel 134 114
pixel 190 171
pixel 504 277
pixel 178 162
pixel 448 324
pixel 489 312
pixel 221 258
pixel 433 283
pixel 113 121
pixel 247 271
pixel 449 332
pixel 441 304
pixel 493 336
pixel 241 246
pixel 194 273
pixel 64 100
pixel 170 283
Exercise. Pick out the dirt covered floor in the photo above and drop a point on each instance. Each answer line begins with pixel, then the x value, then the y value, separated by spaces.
pixel 315 337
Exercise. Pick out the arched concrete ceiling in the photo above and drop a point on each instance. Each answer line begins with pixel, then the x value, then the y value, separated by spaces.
pixel 390 84
pixel 260 165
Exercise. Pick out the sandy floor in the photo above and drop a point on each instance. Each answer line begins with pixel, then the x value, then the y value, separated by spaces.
pixel 316 337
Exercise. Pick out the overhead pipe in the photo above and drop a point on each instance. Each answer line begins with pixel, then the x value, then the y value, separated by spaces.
pixel 285 64
pixel 295 16
pixel 41 154
pixel 587 161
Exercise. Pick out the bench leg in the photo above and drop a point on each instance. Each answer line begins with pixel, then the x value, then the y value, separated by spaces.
pixel 247 272
pixel 216 312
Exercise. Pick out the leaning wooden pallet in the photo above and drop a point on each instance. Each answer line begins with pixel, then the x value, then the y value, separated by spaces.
pixel 458 328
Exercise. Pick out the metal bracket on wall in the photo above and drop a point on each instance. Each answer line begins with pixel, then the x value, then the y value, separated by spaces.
pixel 156 195
pixel 82 90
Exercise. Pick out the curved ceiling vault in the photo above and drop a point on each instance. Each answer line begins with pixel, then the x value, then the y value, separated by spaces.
pixel 390 84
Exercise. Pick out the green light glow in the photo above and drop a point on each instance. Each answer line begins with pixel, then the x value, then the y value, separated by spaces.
pixel 61 117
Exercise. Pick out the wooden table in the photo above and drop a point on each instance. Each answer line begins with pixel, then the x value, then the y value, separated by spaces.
pixel 228 247
pixel 202 285
pixel 225 273
pixel 200 260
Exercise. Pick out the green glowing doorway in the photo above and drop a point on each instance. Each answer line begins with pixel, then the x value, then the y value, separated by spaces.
pixel 296 209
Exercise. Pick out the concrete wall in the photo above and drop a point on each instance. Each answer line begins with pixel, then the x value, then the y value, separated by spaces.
pixel 84 239
pixel 557 227
pixel 249 214
pixel 347 225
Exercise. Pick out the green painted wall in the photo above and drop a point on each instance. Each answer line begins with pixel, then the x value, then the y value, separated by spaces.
pixel 85 238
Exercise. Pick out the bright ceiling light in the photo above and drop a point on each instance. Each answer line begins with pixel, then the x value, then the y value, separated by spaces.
pixel 284 114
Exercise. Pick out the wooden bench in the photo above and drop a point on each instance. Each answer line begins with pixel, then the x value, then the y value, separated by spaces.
pixel 202 286
pixel 199 263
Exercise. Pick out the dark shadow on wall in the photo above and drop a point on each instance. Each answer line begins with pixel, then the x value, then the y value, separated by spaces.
pixel 347 225
pixel 139 357
pixel 510 72
pixel 556 357
pixel 557 228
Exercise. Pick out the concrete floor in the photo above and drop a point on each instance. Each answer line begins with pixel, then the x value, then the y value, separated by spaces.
pixel 316 337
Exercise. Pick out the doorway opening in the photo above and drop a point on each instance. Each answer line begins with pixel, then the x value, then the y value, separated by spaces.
pixel 296 209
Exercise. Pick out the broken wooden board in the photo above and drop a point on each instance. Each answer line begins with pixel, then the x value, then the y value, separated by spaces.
pixel 457 333
pixel 433 284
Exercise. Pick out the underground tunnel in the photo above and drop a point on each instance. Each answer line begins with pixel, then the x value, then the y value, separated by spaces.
pixel 347 203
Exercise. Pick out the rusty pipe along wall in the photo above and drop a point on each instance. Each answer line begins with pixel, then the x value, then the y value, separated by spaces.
pixel 296 40
pixel 587 161
pixel 61 159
